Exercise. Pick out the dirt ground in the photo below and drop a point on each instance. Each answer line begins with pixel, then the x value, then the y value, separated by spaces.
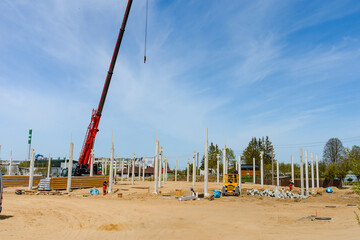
pixel 140 214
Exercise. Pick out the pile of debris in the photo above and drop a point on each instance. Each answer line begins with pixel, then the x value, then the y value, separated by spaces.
pixel 276 193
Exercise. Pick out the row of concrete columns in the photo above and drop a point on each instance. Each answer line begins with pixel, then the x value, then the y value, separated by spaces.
pixel 306 165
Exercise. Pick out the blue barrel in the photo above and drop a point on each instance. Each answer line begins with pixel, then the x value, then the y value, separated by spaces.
pixel 329 190
pixel 216 193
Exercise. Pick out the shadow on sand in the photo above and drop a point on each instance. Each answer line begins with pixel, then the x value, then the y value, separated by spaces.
pixel 3 217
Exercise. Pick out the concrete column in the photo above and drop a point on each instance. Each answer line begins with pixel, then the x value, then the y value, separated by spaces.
pixel 103 167
pixel 277 174
pixel 10 164
pixel 187 170
pixel 226 160
pixel 306 173
pixel 312 174
pixel 111 174
pixel 68 188
pixel 301 172
pixel 292 169
pixel 115 166
pixel 92 161
pixel 254 171
pixel 262 168
pixel 122 169
pixel 156 165
pixel 239 174
pixel 164 170
pixel 206 176
pixel 160 165
pixel 133 170
pixel 317 171
pixel 224 164
pixel 143 162
pixel 106 164
pixel 139 173
pixel 217 167
pixel 31 174
pixel 128 170
pixel 176 170
pixel 194 168
pixel 49 167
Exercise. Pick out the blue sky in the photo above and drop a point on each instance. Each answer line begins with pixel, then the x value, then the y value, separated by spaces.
pixel 284 69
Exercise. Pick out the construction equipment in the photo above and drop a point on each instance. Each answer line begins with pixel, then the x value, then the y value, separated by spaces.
pixel 83 166
pixel 231 185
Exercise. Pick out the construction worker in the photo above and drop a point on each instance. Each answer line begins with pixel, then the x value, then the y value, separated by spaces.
pixel 104 188
pixel 291 184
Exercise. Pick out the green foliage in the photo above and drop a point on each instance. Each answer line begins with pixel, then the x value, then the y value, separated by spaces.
pixel 352 159
pixel 330 172
pixel 213 152
pixel 41 169
pixel 24 164
pixel 254 148
pixel 356 188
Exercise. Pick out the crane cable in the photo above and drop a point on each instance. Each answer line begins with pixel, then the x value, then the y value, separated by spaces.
pixel 146 23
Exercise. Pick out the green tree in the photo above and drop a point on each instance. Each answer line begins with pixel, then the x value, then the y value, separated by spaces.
pixel 330 172
pixel 213 151
pixel 254 148
pixel 353 159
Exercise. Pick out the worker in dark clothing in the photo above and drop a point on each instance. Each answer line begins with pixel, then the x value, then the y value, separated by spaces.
pixel 104 188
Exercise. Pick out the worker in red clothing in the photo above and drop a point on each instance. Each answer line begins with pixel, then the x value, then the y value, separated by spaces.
pixel 291 184
pixel 104 188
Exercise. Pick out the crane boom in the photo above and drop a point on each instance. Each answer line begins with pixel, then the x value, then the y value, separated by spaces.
pixel 96 114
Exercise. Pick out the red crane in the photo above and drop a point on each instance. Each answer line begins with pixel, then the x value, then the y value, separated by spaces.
pixel 96 114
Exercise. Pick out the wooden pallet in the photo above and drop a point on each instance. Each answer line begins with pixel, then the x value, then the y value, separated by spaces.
pixel 19 181
pixel 60 183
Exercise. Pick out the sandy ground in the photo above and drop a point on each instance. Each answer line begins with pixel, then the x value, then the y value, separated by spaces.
pixel 143 215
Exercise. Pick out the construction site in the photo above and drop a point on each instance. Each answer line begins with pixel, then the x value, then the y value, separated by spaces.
pixel 139 188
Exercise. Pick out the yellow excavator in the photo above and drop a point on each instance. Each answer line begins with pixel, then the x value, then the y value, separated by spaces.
pixel 231 185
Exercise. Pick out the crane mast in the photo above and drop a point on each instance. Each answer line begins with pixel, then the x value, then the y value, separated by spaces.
pixel 96 114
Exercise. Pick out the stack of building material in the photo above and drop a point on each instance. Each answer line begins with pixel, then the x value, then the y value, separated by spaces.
pixel 60 183
pixel 44 184
pixel 276 193
pixel 19 181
